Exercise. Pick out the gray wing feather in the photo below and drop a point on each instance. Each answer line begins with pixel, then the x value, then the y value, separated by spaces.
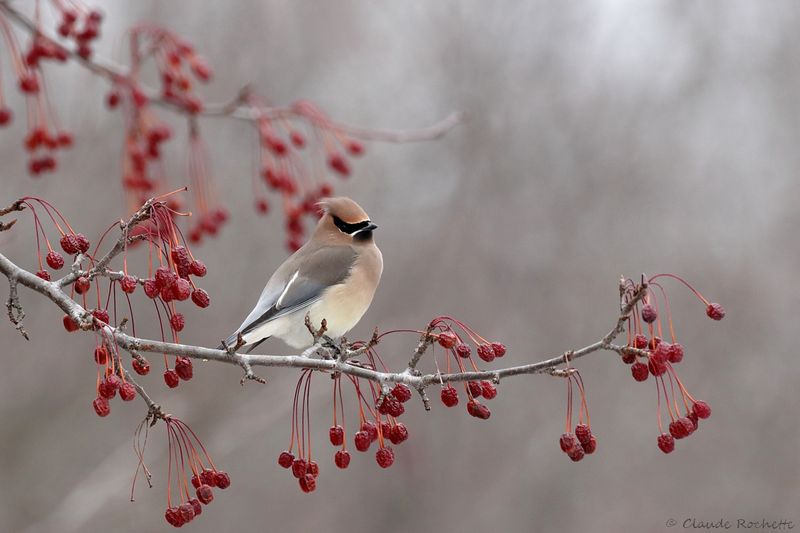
pixel 297 290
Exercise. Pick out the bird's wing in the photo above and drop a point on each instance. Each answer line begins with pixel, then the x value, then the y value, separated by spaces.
pixel 319 270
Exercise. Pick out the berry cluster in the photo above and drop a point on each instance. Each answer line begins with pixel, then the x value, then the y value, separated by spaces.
pixel 457 349
pixel 80 24
pixel 582 442
pixel 189 462
pixel 110 379
pixel 648 354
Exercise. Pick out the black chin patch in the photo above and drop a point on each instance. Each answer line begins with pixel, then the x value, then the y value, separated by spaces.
pixel 362 236
pixel 351 228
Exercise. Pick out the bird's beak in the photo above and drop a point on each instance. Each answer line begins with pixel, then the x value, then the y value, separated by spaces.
pixel 371 227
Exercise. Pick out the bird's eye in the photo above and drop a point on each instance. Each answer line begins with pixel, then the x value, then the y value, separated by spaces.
pixel 344 227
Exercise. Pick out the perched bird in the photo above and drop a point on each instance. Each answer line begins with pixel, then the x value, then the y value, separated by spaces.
pixel 332 277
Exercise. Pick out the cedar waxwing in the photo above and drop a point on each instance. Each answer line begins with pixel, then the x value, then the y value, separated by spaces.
pixel 333 277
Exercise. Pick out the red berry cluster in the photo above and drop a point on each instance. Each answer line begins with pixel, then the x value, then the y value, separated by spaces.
pixel 582 442
pixel 189 461
pixel 457 349
pixel 110 379
pixel 649 354
pixel 80 24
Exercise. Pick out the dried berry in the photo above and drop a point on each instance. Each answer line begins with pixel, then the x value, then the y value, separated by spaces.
pixel 640 341
pixel 715 311
pixel 127 392
pixel 54 260
pixel 43 274
pixel 628 358
pixel 488 390
pixel 171 379
pixel 151 288
pixel 342 458
pixel 463 350
pixel 100 355
pixel 312 468
pixel 208 477
pixel 100 315
pixel 583 433
pixel 675 353
pixel 447 339
pixel 299 468
pixel 69 324
pixel 486 352
pixel 200 298
pixel 449 396
pixel 398 434
pixel 362 441
pixel 336 435
pixel 183 367
pixel 499 349
pixel 223 479
pixel 187 512
pixel 701 409
pixel 384 457
pixel 568 442
pixel 656 366
pixel 177 322
pixel 639 371
pixel 101 406
pixel 308 483
pixel 401 392
pixel 474 389
pixel 83 243
pixel 141 366
pixel 107 389
pixel 197 268
pixel 82 285
pixel 666 443
pixel 591 445
pixel 649 313
pixel 127 284
pixel 195 503
pixel 182 289
pixel 205 494
pixel 478 410
pixel 577 453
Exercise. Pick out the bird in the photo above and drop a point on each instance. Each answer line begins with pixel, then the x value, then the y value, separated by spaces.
pixel 333 277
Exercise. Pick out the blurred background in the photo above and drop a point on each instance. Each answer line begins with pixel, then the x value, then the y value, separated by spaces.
pixel 605 138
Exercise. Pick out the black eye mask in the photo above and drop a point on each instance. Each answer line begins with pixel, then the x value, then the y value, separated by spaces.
pixel 350 228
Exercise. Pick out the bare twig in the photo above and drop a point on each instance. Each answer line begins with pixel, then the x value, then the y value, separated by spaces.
pixel 15 311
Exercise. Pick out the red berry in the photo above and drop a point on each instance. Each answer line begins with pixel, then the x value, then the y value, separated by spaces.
pixel 43 274
pixel 639 371
pixel 195 503
pixel 54 259
pixel 83 243
pixel 127 392
pixel 486 352
pixel 82 285
pixel 308 483
pixel 128 284
pixel 198 268
pixel 499 349
pixel 463 350
pixel 100 315
pixel 196 481
pixel 180 255
pixel 112 99
pixel 336 435
pixel 141 366
pixel 695 422
pixel 447 339
pixel 640 341
pixel 29 84
pixel 488 390
pixel 183 367
pixel 101 406
pixel 661 352
pixel 628 358
pixel 100 355
pixel 262 206
pixel 200 298
pixel 384 457
pixel 208 477
pixel 715 311
pixel 164 277
pixel 223 479
pixel 338 163
pixel 371 429
pixel 182 289
pixel 342 459
pixel 391 406
pixel 666 443
pixel 701 409
pixel 386 429
pixel 177 322
pixel 591 445
pixel 449 396
pixel 675 353
pixel 312 468
pixel 171 379
pixel 299 468
pixel 205 494
pixel 576 454
pixel 285 459
pixel 478 410
pixel 568 442
pixel 649 313
pixel 362 441
pixel 64 139
pixel 355 147
pixel 401 392
pixel 583 433
pixel 69 324
pixel 69 243
pixel 106 389
pixel 173 517
pixel 474 389
pixel 151 288
pixel 398 434
pixel 677 429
